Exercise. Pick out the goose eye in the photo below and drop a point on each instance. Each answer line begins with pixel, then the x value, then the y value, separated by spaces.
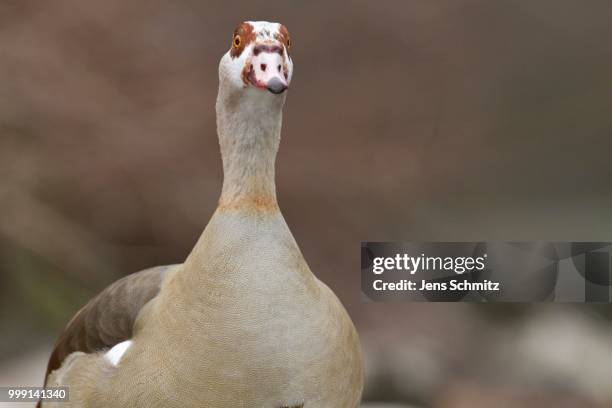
pixel 288 42
pixel 237 41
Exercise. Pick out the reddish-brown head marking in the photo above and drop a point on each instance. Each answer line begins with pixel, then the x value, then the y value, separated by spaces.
pixel 243 36
pixel 283 37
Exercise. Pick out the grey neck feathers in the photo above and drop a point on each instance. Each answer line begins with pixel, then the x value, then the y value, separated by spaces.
pixel 249 125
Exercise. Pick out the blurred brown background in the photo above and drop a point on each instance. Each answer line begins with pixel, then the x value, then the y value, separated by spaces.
pixel 407 120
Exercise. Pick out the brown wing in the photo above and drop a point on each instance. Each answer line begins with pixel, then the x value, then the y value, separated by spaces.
pixel 108 319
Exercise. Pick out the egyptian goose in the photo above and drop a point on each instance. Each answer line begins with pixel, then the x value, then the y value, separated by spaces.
pixel 243 322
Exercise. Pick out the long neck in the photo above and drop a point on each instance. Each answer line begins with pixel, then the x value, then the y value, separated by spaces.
pixel 249 125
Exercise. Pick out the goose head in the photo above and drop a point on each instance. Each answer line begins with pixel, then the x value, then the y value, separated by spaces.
pixel 258 59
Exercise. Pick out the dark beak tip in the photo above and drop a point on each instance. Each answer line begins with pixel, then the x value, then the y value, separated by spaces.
pixel 277 91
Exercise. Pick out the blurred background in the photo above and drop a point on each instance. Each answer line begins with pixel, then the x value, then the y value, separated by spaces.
pixel 407 120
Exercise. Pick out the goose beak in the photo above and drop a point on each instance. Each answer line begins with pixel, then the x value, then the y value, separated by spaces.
pixel 268 69
pixel 276 86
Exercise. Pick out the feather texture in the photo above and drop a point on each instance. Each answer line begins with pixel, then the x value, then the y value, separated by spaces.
pixel 108 319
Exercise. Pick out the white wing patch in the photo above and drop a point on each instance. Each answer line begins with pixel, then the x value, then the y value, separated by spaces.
pixel 115 354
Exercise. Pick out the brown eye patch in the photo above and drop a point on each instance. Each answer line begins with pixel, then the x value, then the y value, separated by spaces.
pixel 242 37
pixel 283 36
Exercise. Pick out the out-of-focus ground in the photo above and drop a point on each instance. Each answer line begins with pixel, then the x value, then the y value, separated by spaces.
pixel 446 120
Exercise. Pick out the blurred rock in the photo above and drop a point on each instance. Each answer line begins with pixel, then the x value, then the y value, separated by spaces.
pixel 552 353
pixel 464 395
pixel 556 347
pixel 412 350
